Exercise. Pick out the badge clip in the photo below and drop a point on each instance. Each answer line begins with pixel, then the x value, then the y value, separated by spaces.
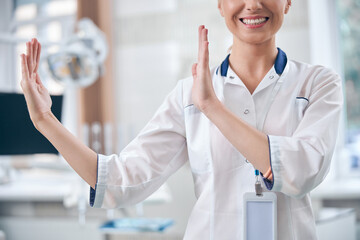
pixel 258 188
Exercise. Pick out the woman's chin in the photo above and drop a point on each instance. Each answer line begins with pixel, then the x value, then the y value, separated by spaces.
pixel 255 40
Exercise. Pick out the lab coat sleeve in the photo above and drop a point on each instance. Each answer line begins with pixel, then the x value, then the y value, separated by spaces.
pixel 146 163
pixel 299 163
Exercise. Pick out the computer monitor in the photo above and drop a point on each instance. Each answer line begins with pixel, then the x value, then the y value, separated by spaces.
pixel 18 136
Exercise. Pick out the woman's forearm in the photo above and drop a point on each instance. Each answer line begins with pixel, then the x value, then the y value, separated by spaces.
pixel 81 158
pixel 252 143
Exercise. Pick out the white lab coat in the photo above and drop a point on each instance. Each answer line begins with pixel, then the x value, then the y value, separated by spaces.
pixel 301 124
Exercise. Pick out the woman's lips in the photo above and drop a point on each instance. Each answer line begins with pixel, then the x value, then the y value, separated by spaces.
pixel 254 22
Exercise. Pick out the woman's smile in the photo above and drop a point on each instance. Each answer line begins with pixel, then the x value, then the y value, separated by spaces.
pixel 254 21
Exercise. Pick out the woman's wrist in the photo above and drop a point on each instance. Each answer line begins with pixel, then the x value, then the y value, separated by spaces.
pixel 210 107
pixel 43 120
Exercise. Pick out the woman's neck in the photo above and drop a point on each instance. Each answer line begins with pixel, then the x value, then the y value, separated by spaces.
pixel 252 62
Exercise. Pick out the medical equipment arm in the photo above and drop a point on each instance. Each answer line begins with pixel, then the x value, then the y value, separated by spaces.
pixel 300 162
pixel 81 158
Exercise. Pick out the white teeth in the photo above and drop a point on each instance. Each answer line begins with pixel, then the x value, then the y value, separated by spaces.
pixel 253 21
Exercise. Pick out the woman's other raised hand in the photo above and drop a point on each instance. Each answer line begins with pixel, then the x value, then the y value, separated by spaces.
pixel 37 97
pixel 81 158
pixel 203 94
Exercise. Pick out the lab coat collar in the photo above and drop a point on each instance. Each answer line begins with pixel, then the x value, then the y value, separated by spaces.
pixel 280 64
pixel 279 68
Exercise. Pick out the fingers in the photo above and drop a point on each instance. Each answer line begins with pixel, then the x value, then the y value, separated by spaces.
pixel 203 55
pixel 200 39
pixel 24 68
pixel 193 70
pixel 38 55
pixel 29 55
pixel 30 61
pixel 30 58
pixel 25 73
pixel 35 51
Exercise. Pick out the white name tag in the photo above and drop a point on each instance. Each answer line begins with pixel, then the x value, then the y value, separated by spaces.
pixel 260 216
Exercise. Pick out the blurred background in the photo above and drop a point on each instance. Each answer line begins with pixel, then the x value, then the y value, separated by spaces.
pixel 109 64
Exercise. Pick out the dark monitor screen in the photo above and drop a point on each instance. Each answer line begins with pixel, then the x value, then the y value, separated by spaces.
pixel 18 136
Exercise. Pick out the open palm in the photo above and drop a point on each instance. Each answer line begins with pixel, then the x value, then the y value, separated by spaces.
pixel 37 97
pixel 203 93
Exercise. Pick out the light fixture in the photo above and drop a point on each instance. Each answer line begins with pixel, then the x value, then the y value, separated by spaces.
pixel 79 60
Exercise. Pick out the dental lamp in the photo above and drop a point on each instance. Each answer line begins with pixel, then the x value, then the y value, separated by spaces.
pixel 79 61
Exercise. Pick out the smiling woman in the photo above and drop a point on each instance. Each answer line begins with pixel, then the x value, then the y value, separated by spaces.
pixel 257 109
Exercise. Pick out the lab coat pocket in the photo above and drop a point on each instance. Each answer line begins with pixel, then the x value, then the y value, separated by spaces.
pixel 197 138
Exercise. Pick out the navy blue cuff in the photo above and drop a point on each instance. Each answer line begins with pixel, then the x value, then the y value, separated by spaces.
pixel 93 191
pixel 92 196
pixel 269 184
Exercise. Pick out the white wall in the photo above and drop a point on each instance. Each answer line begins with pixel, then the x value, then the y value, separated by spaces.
pixel 294 36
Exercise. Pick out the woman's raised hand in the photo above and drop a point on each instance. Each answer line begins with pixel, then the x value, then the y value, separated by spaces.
pixel 203 94
pixel 37 97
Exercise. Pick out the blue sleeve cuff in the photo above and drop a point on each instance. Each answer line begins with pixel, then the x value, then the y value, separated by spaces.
pixel 93 191
pixel 92 196
pixel 269 184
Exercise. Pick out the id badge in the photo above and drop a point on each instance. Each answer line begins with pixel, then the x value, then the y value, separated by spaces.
pixel 260 216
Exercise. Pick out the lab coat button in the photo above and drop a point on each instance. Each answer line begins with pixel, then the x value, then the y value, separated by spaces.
pixel 271 77
pixel 232 77
pixel 246 111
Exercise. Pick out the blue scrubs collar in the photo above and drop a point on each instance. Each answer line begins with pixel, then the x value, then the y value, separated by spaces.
pixel 280 64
